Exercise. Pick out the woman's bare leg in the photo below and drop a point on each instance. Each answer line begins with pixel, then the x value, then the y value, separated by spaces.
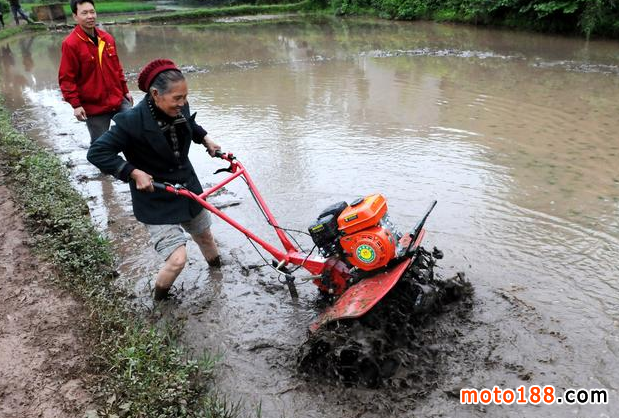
pixel 170 271
pixel 208 247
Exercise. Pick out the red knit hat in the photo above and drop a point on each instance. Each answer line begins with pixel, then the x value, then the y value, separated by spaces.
pixel 151 70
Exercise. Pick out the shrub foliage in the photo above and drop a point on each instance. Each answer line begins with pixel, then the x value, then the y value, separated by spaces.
pixel 589 17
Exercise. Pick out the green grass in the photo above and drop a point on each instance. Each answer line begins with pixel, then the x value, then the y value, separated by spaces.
pixel 448 15
pixel 142 370
pixel 231 11
pixel 10 31
pixel 105 7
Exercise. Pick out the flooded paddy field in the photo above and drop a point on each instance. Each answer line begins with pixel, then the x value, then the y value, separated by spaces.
pixel 513 133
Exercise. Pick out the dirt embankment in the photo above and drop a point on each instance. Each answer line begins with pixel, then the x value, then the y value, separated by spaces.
pixel 42 346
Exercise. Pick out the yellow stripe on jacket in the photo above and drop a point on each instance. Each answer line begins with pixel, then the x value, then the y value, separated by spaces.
pixel 101 47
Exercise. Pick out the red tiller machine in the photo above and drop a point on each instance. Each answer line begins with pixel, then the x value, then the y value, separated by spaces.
pixel 361 253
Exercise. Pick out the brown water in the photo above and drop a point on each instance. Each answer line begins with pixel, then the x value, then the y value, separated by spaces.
pixel 514 134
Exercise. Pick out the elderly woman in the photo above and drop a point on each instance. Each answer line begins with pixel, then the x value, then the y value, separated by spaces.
pixel 154 138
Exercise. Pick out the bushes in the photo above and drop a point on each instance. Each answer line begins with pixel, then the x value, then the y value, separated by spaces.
pixel 406 9
pixel 588 17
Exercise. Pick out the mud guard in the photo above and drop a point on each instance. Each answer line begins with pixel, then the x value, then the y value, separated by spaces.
pixel 362 297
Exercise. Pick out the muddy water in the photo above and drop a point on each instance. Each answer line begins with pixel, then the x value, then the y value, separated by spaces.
pixel 514 134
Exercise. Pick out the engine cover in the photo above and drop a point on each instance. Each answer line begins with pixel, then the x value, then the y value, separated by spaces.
pixel 370 248
pixel 362 213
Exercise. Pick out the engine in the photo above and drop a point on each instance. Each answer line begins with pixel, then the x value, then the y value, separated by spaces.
pixel 359 234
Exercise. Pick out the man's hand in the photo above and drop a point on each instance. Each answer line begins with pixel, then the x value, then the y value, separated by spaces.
pixel 143 181
pixel 129 97
pixel 211 147
pixel 80 114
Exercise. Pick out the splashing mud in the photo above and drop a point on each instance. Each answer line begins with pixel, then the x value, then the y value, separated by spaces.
pixel 399 342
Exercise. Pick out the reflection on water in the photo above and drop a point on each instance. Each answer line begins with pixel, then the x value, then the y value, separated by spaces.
pixel 513 133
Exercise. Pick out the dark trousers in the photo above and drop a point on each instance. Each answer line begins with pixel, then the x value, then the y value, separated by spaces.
pixel 17 12
pixel 99 124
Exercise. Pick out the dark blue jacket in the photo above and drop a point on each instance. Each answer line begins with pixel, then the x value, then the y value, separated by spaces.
pixel 137 135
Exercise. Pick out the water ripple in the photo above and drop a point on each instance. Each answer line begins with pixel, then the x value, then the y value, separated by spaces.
pixel 430 52
pixel 578 66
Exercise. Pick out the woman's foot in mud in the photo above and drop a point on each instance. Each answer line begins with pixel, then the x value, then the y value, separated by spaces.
pixel 215 262
pixel 161 293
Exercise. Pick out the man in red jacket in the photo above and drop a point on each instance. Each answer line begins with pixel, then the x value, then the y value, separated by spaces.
pixel 91 77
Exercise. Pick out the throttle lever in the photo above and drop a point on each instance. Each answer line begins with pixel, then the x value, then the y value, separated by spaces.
pixel 221 170
pixel 227 157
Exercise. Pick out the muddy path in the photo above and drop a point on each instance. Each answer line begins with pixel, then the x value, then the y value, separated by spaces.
pixel 43 350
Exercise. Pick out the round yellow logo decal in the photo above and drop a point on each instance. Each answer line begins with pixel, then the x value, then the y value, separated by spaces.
pixel 366 254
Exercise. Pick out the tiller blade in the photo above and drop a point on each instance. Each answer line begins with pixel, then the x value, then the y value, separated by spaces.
pixel 361 297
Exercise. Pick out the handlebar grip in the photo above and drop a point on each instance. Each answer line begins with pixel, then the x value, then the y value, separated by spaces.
pixel 158 185
pixel 228 156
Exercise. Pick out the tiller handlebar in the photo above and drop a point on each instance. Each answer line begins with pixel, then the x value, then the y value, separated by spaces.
pixel 290 254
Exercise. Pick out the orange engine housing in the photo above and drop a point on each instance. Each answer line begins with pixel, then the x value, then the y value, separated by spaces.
pixel 367 244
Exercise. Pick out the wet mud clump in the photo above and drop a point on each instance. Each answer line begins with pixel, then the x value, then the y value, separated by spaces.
pixel 400 342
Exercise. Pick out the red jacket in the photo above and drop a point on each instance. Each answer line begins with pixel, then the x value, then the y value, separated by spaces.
pixel 91 75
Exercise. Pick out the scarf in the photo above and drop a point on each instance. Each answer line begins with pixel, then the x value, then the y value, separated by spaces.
pixel 167 124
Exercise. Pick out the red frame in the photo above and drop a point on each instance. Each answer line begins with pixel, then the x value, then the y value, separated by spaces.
pixel 315 265
pixel 355 300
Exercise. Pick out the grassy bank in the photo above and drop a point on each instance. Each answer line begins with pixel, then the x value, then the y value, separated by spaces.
pixel 197 14
pixel 104 7
pixel 584 17
pixel 15 30
pixel 143 370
